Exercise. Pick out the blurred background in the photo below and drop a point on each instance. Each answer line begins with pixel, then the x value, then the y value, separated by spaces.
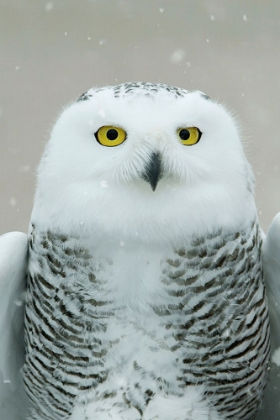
pixel 52 51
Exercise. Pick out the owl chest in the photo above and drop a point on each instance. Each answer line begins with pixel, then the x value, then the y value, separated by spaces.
pixel 198 296
pixel 196 313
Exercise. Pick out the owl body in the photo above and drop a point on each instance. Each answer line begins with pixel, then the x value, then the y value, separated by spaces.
pixel 142 302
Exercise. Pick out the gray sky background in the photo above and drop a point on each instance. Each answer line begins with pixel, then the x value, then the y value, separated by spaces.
pixel 52 51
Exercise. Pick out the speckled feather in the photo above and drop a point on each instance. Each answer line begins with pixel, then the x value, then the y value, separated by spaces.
pixel 137 88
pixel 211 324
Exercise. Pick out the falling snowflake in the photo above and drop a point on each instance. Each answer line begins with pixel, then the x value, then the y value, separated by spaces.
pixel 177 56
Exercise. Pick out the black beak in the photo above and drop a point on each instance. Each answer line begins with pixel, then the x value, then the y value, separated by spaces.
pixel 152 172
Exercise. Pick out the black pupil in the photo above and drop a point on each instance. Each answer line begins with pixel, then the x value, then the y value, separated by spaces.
pixel 112 134
pixel 184 134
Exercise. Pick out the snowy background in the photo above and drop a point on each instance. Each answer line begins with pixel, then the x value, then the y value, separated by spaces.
pixel 52 51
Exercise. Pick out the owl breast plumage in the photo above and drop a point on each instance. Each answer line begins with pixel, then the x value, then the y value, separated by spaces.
pixel 145 294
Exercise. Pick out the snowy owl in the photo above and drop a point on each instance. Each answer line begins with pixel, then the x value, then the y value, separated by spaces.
pixel 140 284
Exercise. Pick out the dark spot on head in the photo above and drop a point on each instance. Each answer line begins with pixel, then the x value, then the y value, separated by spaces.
pixel 205 97
pixel 84 97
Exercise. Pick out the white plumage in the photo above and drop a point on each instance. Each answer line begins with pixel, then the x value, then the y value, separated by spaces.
pixel 145 296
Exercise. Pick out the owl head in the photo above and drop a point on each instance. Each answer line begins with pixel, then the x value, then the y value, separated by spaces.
pixel 144 160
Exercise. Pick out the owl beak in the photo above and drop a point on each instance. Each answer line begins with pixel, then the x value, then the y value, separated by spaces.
pixel 152 173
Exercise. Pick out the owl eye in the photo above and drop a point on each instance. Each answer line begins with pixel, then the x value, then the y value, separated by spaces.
pixel 189 136
pixel 110 136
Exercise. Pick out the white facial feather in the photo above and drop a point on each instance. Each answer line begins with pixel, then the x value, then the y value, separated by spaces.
pixel 84 185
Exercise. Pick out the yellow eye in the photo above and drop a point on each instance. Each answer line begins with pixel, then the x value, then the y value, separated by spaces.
pixel 189 136
pixel 110 136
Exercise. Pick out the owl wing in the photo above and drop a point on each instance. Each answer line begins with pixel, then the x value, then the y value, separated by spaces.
pixel 271 267
pixel 13 268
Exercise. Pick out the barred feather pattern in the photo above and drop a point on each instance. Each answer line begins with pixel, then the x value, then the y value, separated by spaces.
pixel 209 329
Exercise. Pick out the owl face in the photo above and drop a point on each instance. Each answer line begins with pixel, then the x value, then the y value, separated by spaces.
pixel 136 153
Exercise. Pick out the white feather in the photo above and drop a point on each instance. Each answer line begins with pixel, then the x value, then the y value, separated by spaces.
pixel 271 266
pixel 193 406
pixel 13 266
